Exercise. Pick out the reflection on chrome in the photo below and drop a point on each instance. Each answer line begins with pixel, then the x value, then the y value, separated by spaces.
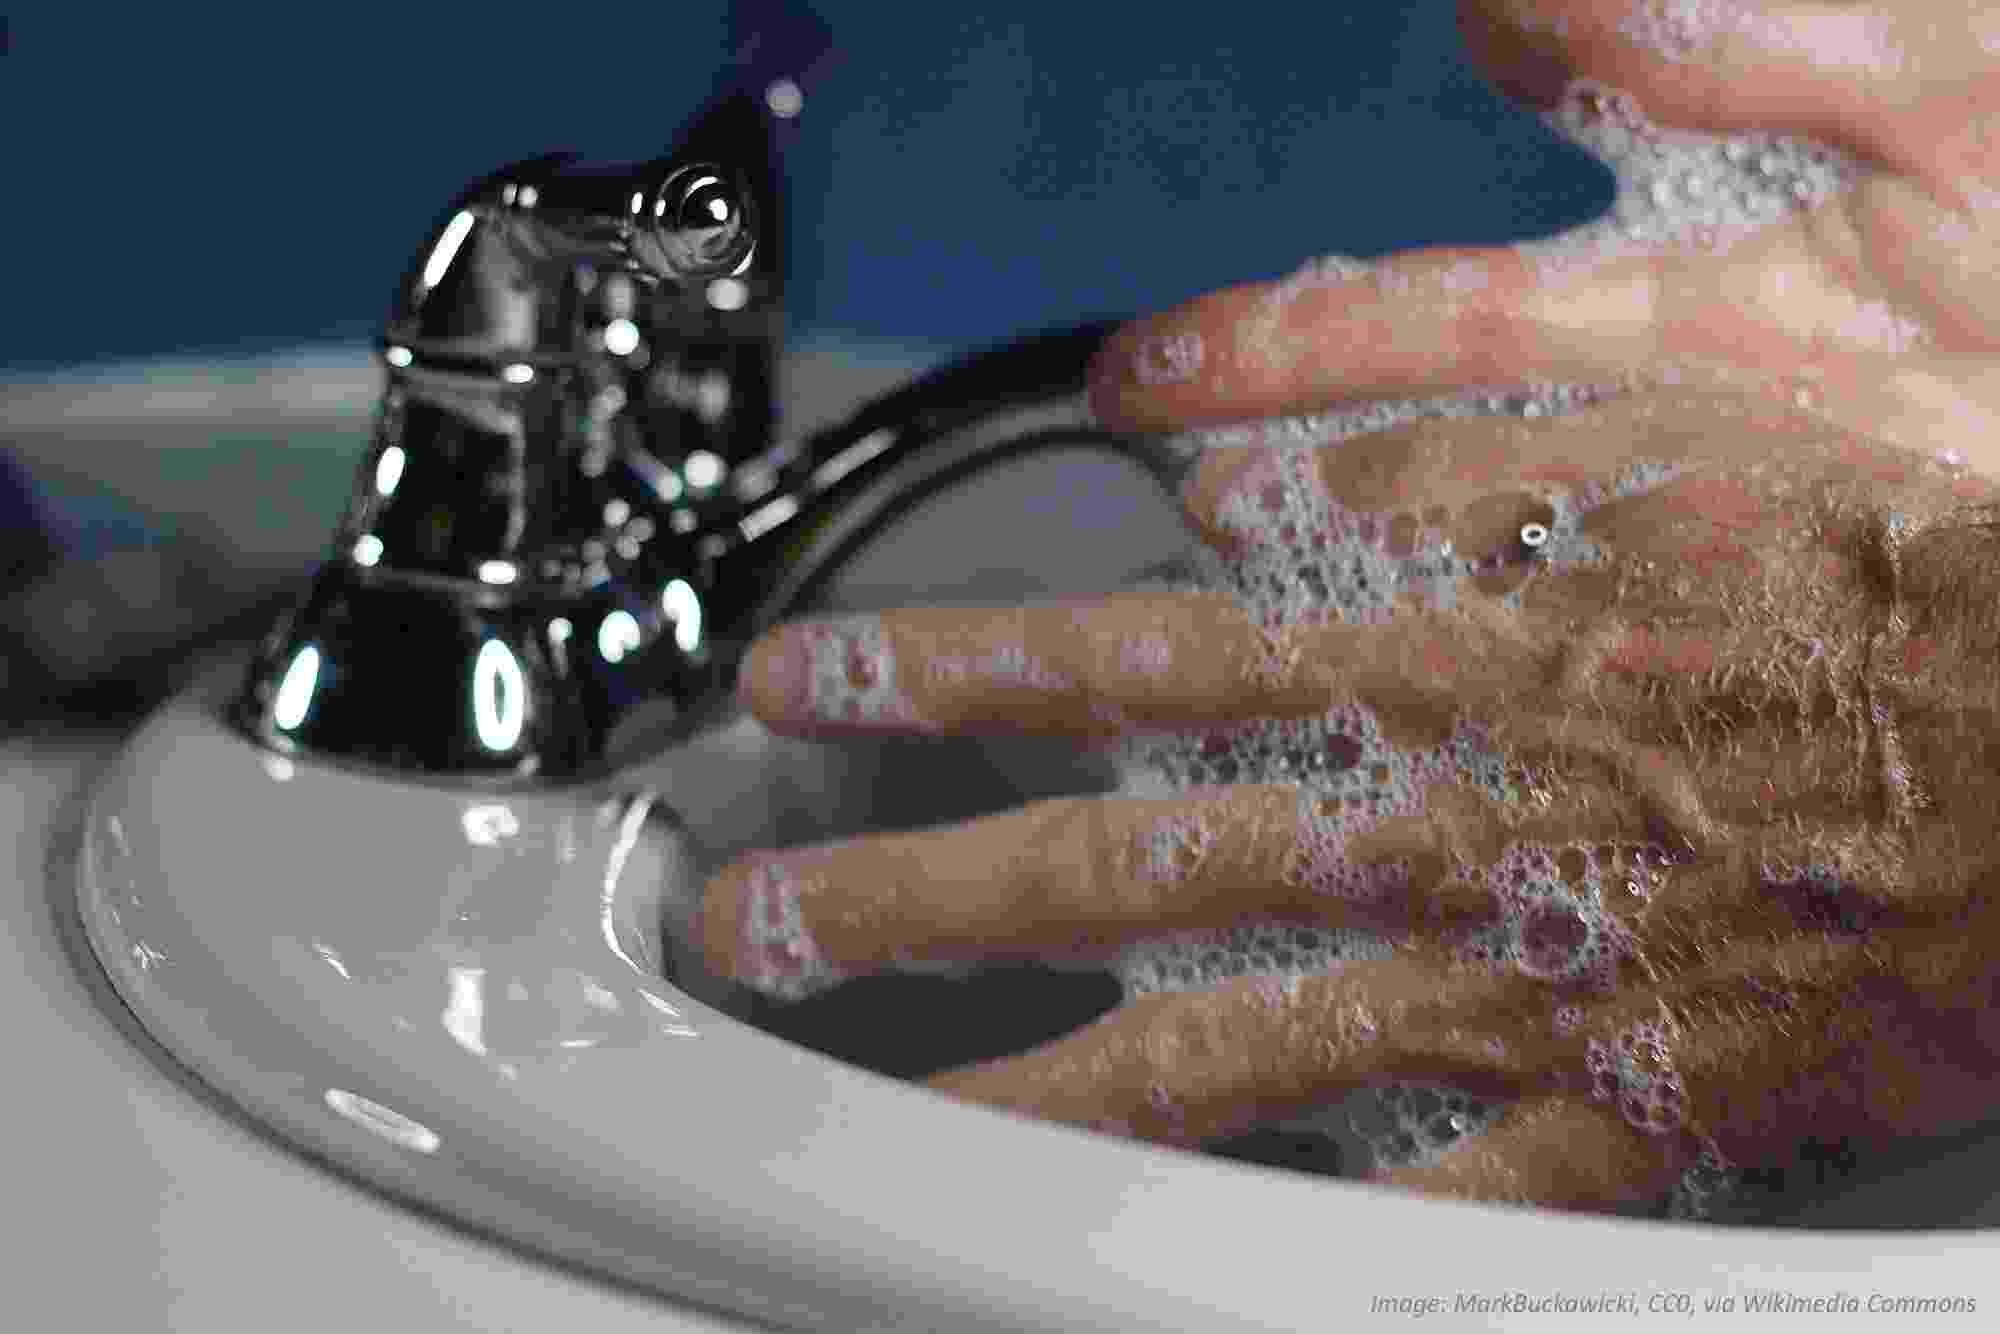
pixel 390 1125
pixel 703 470
pixel 465 1009
pixel 856 454
pixel 617 635
pixel 499 699
pixel 683 606
pixel 295 692
pixel 447 247
pixel 717 210
pixel 621 337
pixel 785 99
pixel 389 470
pixel 759 522
pixel 712 398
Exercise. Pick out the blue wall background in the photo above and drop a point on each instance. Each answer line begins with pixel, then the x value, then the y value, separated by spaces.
pixel 247 178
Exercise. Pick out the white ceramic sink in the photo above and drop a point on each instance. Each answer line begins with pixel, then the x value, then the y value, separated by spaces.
pixel 457 1001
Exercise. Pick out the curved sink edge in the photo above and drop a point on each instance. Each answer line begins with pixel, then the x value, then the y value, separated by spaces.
pixel 1102 1178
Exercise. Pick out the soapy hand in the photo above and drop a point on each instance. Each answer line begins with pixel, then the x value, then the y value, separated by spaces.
pixel 1659 736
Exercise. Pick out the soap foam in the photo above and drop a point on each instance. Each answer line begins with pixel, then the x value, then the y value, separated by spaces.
pixel 777 953
pixel 1551 926
pixel 1305 559
pixel 1406 1125
pixel 1674 189
pixel 1348 779
pixel 852 671
pixel 1281 953
pixel 1635 1072
pixel 1682 187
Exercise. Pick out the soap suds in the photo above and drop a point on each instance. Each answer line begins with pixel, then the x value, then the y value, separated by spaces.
pixel 1410 1124
pixel 1167 358
pixel 851 673
pixel 777 953
pixel 1635 1071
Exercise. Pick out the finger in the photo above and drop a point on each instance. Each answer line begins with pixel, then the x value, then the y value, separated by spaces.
pixel 1718 492
pixel 1556 1152
pixel 1427 321
pixel 1078 878
pixel 1473 482
pixel 1189 1066
pixel 1131 661
pixel 1066 667
pixel 1772 309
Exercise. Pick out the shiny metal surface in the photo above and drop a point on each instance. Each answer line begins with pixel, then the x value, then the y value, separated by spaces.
pixel 573 518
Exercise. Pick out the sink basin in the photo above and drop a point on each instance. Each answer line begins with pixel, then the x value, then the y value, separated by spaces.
pixel 461 999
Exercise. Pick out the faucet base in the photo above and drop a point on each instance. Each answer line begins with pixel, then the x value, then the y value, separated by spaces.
pixel 420 677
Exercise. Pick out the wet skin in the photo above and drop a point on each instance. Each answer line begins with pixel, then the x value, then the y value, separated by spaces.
pixel 1767 709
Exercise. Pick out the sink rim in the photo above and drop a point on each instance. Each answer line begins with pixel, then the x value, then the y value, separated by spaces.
pixel 1107 1229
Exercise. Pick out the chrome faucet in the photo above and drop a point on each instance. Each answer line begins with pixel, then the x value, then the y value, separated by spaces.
pixel 574 517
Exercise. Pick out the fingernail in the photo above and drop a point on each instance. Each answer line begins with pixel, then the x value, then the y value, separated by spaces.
pixel 1169 358
pixel 1133 358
